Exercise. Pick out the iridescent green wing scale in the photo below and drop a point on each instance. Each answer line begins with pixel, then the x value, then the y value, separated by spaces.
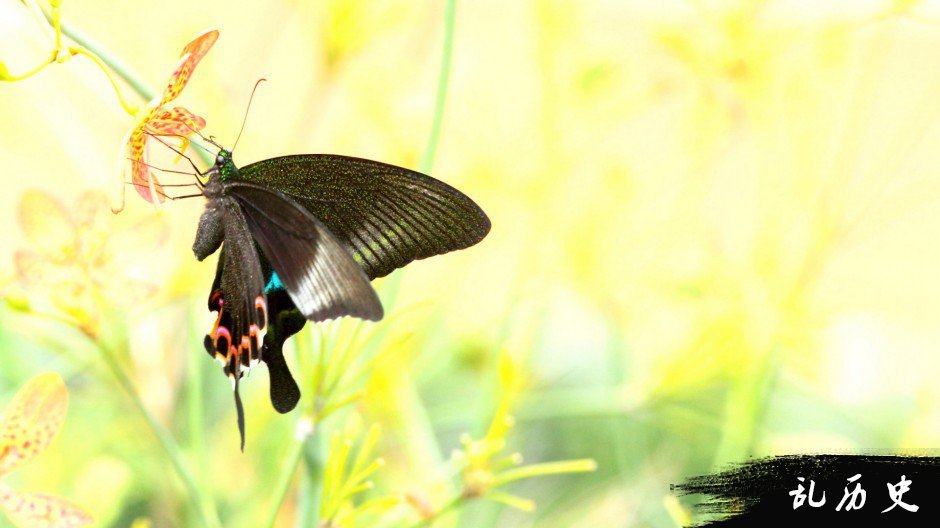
pixel 386 216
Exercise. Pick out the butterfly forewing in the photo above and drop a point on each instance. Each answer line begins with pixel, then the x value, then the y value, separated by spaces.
pixel 386 216
pixel 318 273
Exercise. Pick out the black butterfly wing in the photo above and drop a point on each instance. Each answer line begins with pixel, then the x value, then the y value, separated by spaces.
pixel 316 279
pixel 285 320
pixel 322 279
pixel 386 216
pixel 238 294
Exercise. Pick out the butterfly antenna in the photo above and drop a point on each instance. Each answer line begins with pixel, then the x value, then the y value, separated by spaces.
pixel 196 143
pixel 245 119
pixel 174 149
pixel 196 131
pixel 212 140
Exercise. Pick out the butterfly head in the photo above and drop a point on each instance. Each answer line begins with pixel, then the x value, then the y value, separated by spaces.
pixel 225 165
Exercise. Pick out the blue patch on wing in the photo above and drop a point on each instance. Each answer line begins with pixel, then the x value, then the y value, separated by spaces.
pixel 273 284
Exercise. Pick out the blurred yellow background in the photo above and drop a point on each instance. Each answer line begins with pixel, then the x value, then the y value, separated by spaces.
pixel 714 237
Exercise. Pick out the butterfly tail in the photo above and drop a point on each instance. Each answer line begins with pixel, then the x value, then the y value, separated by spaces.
pixel 284 390
pixel 240 410
pixel 286 321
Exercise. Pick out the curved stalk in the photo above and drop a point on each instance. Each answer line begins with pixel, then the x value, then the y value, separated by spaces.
pixel 201 502
pixel 443 83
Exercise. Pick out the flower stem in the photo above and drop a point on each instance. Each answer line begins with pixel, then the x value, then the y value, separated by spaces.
pixel 41 19
pixel 296 453
pixel 200 502
pixel 393 283
pixel 310 495
pixel 443 82
pixel 547 468
pixel 116 64
pixel 131 109
pixel 98 54
pixel 291 463
pixel 6 76
pixel 195 413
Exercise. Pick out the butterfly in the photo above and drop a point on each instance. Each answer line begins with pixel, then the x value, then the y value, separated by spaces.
pixel 301 237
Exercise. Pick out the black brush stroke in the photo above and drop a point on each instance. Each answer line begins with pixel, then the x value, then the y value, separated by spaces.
pixel 756 493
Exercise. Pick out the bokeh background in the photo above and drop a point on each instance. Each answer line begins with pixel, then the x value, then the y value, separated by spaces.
pixel 714 237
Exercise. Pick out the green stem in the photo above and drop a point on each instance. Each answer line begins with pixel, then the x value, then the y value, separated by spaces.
pixel 41 20
pixel 296 453
pixel 745 407
pixel 194 410
pixel 123 70
pixel 209 516
pixel 584 465
pixel 443 81
pixel 393 283
pixel 314 457
pixel 294 456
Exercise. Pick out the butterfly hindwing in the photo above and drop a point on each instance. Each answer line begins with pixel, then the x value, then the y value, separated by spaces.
pixel 322 279
pixel 386 216
pixel 244 307
pixel 284 320
pixel 237 295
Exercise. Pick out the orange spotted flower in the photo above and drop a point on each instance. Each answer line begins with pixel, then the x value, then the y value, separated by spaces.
pixel 29 424
pixel 153 119
pixel 79 262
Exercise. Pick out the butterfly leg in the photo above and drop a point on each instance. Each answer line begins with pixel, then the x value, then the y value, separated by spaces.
pixel 165 195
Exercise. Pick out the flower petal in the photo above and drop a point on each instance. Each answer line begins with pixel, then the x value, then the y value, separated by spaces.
pixel 32 420
pixel 40 270
pixel 89 216
pixel 116 196
pixel 192 54
pixel 141 177
pixel 37 510
pixel 176 122
pixel 45 223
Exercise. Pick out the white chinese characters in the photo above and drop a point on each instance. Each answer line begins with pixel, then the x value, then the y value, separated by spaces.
pixel 799 497
pixel 857 495
pixel 896 492
pixel 854 499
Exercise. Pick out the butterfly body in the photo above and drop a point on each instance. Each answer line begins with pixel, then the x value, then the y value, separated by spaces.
pixel 301 237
